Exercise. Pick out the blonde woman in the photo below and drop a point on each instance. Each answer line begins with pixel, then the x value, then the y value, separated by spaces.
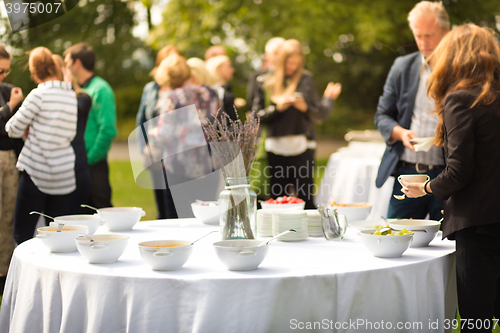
pixel 294 106
pixel 177 131
pixel 221 71
pixel 47 160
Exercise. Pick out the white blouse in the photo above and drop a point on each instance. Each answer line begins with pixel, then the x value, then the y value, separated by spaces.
pixel 50 111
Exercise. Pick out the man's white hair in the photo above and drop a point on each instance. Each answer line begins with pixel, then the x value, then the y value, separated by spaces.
pixel 424 8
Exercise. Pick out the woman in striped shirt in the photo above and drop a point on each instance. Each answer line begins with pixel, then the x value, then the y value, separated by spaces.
pixel 47 160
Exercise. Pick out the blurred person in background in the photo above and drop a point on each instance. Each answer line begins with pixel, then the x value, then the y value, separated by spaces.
pixel 221 71
pixel 146 120
pixel 199 72
pixel 293 109
pixel 188 162
pixel 404 112
pixel 10 100
pixel 214 51
pixel 47 160
pixel 272 50
pixel 465 85
pixel 101 123
pixel 82 193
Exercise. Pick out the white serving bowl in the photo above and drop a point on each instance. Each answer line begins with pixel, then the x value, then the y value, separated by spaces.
pixel 105 249
pixel 420 239
pixel 121 218
pixel 206 211
pixel 297 206
pixel 385 246
pixel 162 258
pixel 241 254
pixel 367 224
pixel 91 221
pixel 63 241
pixel 353 213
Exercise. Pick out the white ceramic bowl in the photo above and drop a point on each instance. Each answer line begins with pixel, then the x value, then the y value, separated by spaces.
pixel 354 213
pixel 162 258
pixel 63 241
pixel 91 221
pixel 297 206
pixel 385 246
pixel 121 218
pixel 420 239
pixel 367 224
pixel 105 249
pixel 241 254
pixel 206 211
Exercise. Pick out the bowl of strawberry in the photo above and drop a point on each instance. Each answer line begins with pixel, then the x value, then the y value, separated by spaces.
pixel 284 202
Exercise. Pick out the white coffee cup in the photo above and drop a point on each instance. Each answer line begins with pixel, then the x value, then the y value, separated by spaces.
pixel 413 179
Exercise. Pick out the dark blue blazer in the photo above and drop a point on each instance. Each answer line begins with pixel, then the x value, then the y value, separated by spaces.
pixel 395 107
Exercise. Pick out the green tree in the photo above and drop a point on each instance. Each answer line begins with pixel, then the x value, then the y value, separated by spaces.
pixel 107 26
pixel 352 42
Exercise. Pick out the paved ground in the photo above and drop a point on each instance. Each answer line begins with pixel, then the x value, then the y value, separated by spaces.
pixel 119 149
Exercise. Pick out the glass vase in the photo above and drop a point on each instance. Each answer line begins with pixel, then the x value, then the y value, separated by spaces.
pixel 238 209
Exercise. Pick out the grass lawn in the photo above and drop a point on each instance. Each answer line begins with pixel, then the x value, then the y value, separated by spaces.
pixel 127 193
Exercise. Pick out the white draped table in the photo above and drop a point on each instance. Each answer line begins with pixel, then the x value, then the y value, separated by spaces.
pixel 332 283
pixel 350 176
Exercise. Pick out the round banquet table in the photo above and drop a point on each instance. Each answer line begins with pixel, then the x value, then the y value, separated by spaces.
pixel 350 177
pixel 333 285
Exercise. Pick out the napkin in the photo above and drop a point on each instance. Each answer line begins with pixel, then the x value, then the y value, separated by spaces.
pixel 422 144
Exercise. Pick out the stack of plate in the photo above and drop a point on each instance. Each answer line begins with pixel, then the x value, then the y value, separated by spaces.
pixel 314 223
pixel 286 220
pixel 264 223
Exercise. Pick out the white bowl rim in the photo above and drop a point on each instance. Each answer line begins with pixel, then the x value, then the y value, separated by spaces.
pixel 118 209
pixel 283 204
pixel 349 205
pixel 76 226
pixel 83 240
pixel 257 241
pixel 370 233
pixel 428 223
pixel 142 245
pixel 204 203
pixel 77 217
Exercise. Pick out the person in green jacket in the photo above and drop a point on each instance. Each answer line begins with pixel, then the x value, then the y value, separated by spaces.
pixel 101 124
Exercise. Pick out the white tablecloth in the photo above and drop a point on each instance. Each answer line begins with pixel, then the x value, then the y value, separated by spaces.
pixel 350 177
pixel 329 282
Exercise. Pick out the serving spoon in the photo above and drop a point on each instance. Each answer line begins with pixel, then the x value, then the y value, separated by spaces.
pixel 87 206
pixel 278 235
pixel 203 236
pixel 88 237
pixel 59 225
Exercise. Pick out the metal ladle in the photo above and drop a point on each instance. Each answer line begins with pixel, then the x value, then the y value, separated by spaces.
pixel 88 237
pixel 211 232
pixel 87 206
pixel 59 225
pixel 278 235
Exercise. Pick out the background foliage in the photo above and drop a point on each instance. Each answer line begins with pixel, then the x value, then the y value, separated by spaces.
pixel 352 42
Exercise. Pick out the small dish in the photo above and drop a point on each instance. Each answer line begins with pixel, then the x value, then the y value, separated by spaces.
pixel 241 254
pixel 104 249
pixel 63 241
pixel 121 218
pixel 384 246
pixel 166 255
pixel 91 221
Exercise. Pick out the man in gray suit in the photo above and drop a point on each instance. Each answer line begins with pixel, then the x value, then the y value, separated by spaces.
pixel 404 112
